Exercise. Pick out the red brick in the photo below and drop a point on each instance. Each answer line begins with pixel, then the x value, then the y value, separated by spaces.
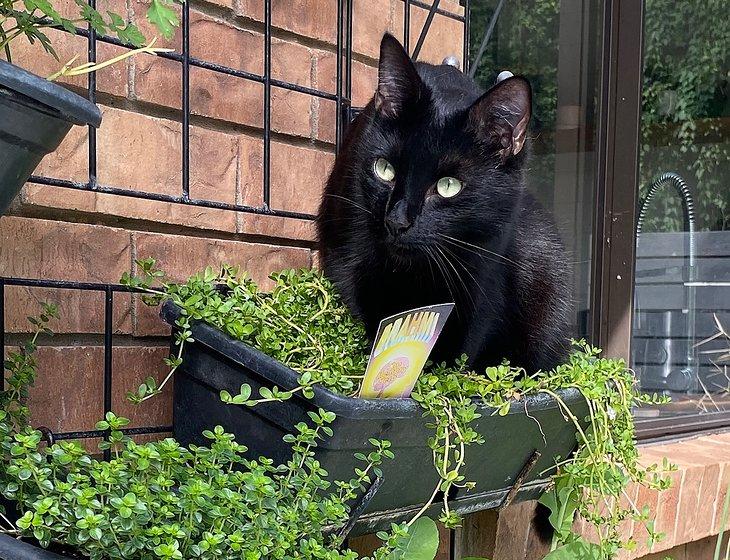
pixel 249 192
pixel 316 263
pixel 182 256
pixel 645 498
pixel 131 365
pixel 311 18
pixel 244 48
pixel 626 527
pixel 298 176
pixel 370 20
pixel 276 227
pixel 698 451
pixel 250 174
pixel 112 79
pixel 157 80
pixel 364 83
pixel 677 553
pixel 723 437
pixel 295 16
pixel 80 311
pixel 291 112
pixel 130 143
pixel 326 122
pixel 70 161
pixel 722 491
pixel 35 248
pixel 707 501
pixel 667 510
pixel 451 6
pixel 213 165
pixel 68 393
pixel 219 42
pixel 230 98
pixel 290 62
pixel 138 9
pixel 226 98
pixel 689 505
pixel 127 146
pixel 217 95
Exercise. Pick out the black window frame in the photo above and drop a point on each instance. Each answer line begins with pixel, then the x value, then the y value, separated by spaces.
pixel 617 188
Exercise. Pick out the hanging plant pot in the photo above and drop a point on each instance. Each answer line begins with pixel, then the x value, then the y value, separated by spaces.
pixel 35 116
pixel 519 449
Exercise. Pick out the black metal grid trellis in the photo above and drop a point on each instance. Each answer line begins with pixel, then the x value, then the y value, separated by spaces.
pixel 108 290
pixel 342 98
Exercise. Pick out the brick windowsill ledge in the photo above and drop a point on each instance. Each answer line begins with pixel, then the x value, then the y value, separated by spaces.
pixel 691 509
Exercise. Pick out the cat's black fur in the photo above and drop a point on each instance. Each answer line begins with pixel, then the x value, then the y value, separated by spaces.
pixel 383 244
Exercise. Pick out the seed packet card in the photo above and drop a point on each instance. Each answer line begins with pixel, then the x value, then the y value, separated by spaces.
pixel 401 348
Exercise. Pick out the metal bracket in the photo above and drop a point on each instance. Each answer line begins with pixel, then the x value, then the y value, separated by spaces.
pixel 359 507
pixel 526 469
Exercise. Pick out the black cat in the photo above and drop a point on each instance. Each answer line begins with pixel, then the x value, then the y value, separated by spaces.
pixel 426 204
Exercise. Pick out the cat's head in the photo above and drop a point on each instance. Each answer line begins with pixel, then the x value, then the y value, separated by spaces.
pixel 432 157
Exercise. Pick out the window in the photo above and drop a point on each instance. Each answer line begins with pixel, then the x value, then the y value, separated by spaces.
pixel 682 278
pixel 557 46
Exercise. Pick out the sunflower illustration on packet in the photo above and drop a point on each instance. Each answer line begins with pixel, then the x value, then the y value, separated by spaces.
pixel 401 349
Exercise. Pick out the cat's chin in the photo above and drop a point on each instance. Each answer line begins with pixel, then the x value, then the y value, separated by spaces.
pixel 405 255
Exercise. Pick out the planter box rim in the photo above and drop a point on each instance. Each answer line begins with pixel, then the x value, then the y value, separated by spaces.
pixel 71 106
pixel 245 355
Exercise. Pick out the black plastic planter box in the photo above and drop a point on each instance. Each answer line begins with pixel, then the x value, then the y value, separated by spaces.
pixel 35 116
pixel 215 362
pixel 13 549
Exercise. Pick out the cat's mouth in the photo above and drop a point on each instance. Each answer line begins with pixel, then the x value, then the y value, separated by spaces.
pixel 405 252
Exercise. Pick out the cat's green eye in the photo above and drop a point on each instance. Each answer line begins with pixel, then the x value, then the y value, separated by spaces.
pixel 448 187
pixel 384 170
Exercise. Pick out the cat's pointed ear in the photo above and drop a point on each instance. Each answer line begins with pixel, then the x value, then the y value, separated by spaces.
pixel 398 80
pixel 501 115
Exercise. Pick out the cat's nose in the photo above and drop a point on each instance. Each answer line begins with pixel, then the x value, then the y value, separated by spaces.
pixel 397 220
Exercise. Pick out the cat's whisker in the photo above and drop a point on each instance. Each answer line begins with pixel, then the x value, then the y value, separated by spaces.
pixel 444 275
pixel 479 248
pixel 481 255
pixel 460 262
pixel 355 204
pixel 466 244
pixel 467 291
pixel 430 268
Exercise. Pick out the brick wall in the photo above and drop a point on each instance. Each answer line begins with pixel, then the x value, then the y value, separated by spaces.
pixel 58 233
